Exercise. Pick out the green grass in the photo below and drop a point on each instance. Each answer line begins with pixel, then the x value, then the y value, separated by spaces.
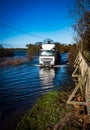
pixel 48 111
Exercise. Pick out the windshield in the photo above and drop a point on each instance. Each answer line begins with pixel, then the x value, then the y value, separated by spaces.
pixel 46 53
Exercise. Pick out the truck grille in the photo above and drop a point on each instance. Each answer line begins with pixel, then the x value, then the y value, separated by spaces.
pixel 46 62
pixel 47 59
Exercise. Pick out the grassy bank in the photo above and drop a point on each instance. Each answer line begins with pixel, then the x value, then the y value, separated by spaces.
pixel 51 112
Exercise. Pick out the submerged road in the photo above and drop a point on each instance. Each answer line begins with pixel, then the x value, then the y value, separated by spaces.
pixel 21 86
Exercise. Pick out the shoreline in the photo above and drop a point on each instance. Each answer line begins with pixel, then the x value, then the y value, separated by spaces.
pixel 13 61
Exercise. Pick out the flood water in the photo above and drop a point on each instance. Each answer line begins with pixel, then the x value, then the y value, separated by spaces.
pixel 21 86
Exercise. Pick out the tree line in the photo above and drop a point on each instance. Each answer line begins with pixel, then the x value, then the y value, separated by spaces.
pixel 6 52
pixel 33 49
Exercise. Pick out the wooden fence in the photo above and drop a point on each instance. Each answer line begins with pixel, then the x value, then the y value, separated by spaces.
pixel 81 76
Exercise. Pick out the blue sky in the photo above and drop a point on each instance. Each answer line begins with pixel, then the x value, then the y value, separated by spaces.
pixel 29 21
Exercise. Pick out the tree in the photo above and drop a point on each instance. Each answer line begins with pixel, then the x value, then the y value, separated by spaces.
pixel 49 41
pixel 33 49
pixel 81 13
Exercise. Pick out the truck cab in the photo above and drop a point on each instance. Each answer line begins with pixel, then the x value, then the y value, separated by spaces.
pixel 47 55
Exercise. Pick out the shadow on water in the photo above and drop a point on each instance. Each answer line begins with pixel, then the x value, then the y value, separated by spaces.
pixel 21 86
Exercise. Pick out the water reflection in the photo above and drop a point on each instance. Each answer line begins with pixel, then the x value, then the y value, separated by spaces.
pixel 56 78
pixel 46 76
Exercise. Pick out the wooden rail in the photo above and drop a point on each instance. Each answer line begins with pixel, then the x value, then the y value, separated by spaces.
pixel 81 75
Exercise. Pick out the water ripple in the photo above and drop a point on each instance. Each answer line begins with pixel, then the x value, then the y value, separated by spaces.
pixel 20 86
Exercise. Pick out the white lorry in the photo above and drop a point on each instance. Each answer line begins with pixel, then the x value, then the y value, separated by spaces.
pixel 48 55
